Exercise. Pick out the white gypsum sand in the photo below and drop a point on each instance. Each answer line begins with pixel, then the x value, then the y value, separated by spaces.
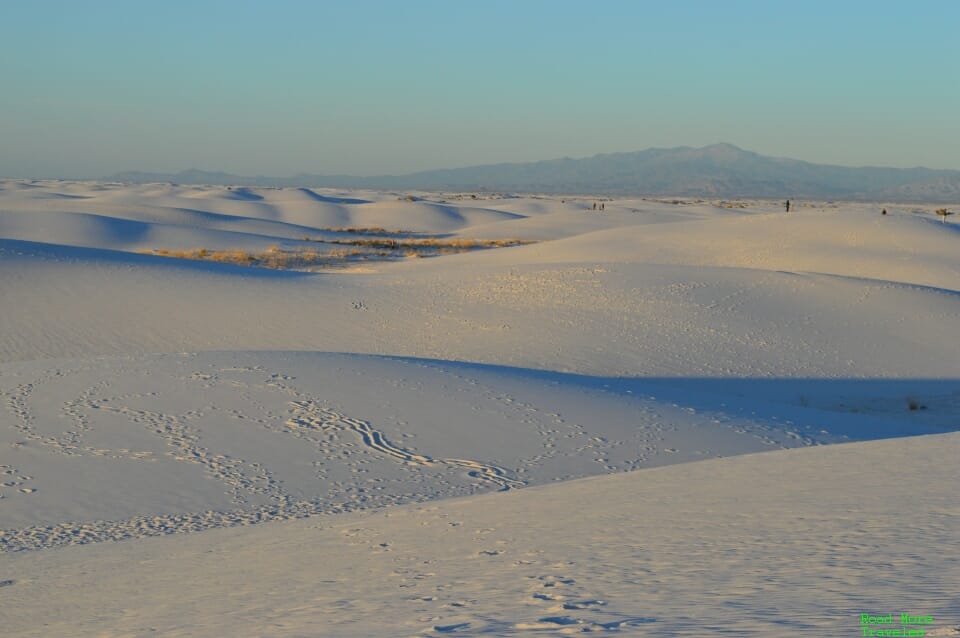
pixel 772 544
pixel 186 408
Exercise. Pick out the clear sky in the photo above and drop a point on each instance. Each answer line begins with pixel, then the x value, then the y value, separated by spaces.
pixel 88 88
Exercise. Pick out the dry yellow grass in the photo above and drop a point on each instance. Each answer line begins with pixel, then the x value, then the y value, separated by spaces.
pixel 366 230
pixel 231 257
pixel 461 244
pixel 379 249
pixel 391 240
pixel 274 257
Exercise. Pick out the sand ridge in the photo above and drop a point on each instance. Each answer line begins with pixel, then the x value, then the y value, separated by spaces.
pixel 395 448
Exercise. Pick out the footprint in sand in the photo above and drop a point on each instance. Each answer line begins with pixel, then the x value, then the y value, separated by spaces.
pixel 446 629
pixel 583 604
pixel 551 622
pixel 313 416
pixel 550 597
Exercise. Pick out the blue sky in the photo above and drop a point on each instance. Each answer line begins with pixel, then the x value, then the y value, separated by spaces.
pixel 363 87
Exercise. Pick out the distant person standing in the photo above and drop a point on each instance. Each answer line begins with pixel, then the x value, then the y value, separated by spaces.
pixel 788 205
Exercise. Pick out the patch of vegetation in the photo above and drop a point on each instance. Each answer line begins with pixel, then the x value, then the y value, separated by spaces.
pixel 275 257
pixel 338 255
pixel 364 230
pixel 726 204
pixel 454 245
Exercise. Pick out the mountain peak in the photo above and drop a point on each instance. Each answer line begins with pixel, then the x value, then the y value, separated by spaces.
pixel 723 146
pixel 723 150
pixel 717 170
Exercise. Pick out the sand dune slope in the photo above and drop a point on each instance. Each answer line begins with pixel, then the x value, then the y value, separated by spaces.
pixel 125 447
pixel 600 318
pixel 784 543
pixel 190 448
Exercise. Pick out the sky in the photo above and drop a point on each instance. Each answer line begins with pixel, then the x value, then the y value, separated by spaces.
pixel 368 87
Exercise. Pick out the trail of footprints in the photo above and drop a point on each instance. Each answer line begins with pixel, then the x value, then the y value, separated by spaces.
pixel 550 600
pixel 255 493
pixel 13 480
pixel 312 415
pixel 242 478
pixel 79 533
pixel 552 428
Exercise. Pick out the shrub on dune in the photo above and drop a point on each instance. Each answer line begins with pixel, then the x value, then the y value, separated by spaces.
pixel 380 248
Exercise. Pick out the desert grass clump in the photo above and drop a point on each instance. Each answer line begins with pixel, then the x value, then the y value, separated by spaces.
pixel 274 257
pixel 344 250
pixel 364 230
pixel 193 253
pixel 432 242
pixel 230 257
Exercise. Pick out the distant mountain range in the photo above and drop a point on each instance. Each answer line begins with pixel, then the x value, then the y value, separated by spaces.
pixel 720 170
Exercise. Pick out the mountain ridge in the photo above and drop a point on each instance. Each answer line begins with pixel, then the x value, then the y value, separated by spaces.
pixel 717 170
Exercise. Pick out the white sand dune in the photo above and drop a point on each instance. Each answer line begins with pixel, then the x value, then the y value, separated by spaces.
pixel 595 318
pixel 784 543
pixel 269 436
pixel 905 249
pixel 172 404
pixel 265 210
